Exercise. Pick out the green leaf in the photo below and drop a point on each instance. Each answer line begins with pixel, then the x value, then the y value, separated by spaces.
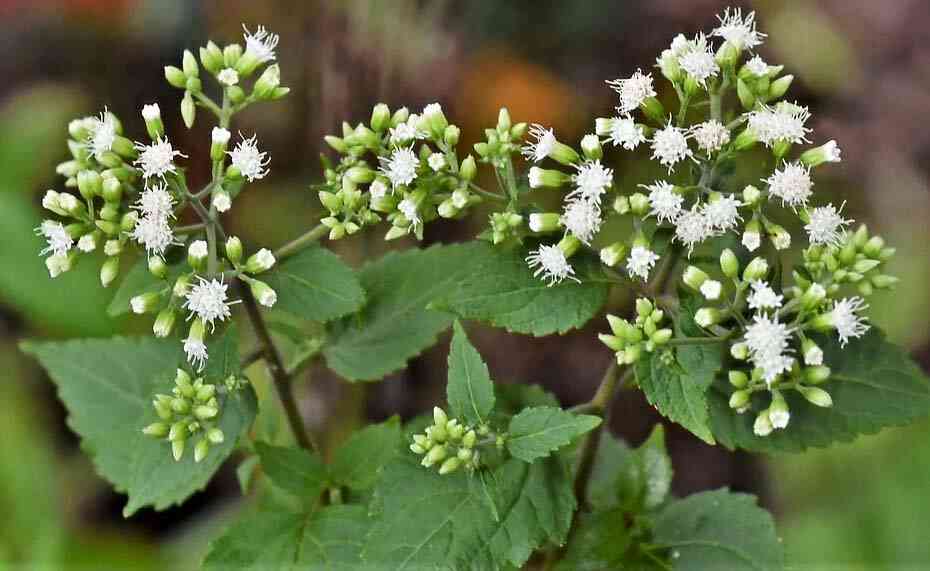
pixel 469 391
pixel 537 432
pixel 656 468
pixel 428 521
pixel 107 386
pixel 718 530
pixel 676 394
pixel 276 538
pixel 358 462
pixel 294 470
pixel 316 284
pixel 874 385
pixel 602 541
pixel 395 325
pixel 501 290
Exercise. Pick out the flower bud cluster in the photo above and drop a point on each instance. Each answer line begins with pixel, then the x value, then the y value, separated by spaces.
pixel 191 412
pixel 769 327
pixel 403 167
pixel 450 444
pixel 630 340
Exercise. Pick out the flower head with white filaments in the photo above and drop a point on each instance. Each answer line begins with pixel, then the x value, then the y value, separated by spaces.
pixel 591 181
pixel 154 234
pixel 196 351
pixel 101 133
pixel 640 262
pixel 757 66
pixel 846 321
pixel 207 300
pixel 826 225
pixel 723 214
pixel 691 228
pixel 543 146
pixel 763 296
pixel 261 44
pixel 739 31
pixel 550 263
pixel 633 90
pixel 156 202
pixel 783 122
pixel 670 146
pixel 408 208
pixel 711 136
pixel 246 157
pixel 697 60
pixel 665 203
pixel 58 241
pixel 768 342
pixel 624 132
pixel 582 218
pixel 400 167
pixel 157 159
pixel 792 184
pixel 406 132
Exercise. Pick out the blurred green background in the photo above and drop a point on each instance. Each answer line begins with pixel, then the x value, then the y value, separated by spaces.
pixel 861 65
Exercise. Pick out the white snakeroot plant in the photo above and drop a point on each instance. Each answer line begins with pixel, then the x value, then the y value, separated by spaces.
pixel 726 330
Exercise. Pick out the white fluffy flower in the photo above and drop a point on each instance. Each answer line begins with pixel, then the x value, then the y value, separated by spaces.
pixel 154 234
pixel 87 243
pixel 101 133
pixel 228 76
pixel 400 167
pixel 207 300
pixel 157 159
pixel 261 44
pixel 624 132
pixel 845 320
pixel 436 161
pixel 640 262
pixel 544 144
pixel 408 208
pixel 739 31
pixel 156 202
pixel 196 352
pixel 757 66
pixel 711 136
pixel 220 136
pixel 784 122
pixel 752 241
pixel 664 201
pixel 377 190
pixel 58 241
pixel 670 145
pixel 591 181
pixel 768 344
pixel 582 218
pixel 222 202
pixel 633 90
pixel 826 225
pixel 405 132
pixel 832 152
pixel 723 214
pixel 711 289
pixel 691 228
pixel 792 184
pixel 550 263
pixel 249 160
pixel 198 249
pixel 697 60
pixel 763 296
pixel 151 111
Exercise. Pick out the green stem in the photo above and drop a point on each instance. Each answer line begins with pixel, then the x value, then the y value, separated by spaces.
pixel 680 341
pixel 486 193
pixel 309 237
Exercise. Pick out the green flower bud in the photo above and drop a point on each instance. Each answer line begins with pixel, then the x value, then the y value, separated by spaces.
pixel 205 412
pixel 874 246
pixel 707 316
pixel 360 175
pixel 264 293
pixel 630 355
pixel 547 178
pixel 757 269
pixel 644 307
pixel 175 77
pixel 621 205
pixel 178 431
pixel 156 430
pixel 739 351
pixel 816 396
pixel 380 117
pixel 450 465
pixel 144 303
pixel 269 80
pixel 109 270
pixel 436 454
pixel 259 262
pixel 545 222
pixel 745 140
pixel 201 449
pixel 739 379
pixel 215 436
pixel 763 425
pixel 211 57
pixel 164 323
pixel 746 97
pixel 177 449
pixel 569 245
pixel 447 209
pixel 883 281
pixel 451 135
pixel 653 109
pixel 90 183
pixel 111 189
pixel 189 64
pixel 661 336
pixel 468 168
pixel 613 342
pixel 779 415
pixel 779 87
pixel 739 399
pixel 639 204
pixel 694 277
pixel 613 254
pixel 188 111
pixel 469 439
pixel 829 152
pixel 591 147
pixel 193 85
pixel 439 416
pixel 817 375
